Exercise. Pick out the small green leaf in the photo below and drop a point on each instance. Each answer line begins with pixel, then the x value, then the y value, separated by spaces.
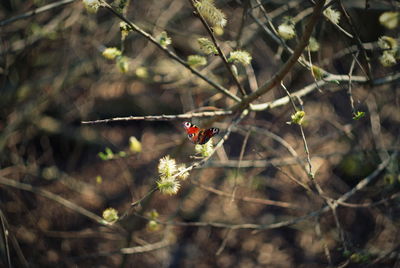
pixel 335 82
pixel 102 156
pixel 109 151
pixel 357 115
pixel 298 117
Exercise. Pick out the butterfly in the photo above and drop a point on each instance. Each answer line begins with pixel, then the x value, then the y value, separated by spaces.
pixel 199 135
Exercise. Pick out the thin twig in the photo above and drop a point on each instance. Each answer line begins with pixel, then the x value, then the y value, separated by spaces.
pixel 254 163
pixel 362 184
pixel 56 198
pixel 5 235
pixel 370 204
pixel 311 174
pixel 36 11
pixel 277 78
pixel 195 164
pixel 217 46
pixel 137 202
pixel 260 201
pixel 223 244
pixel 276 38
pixel 357 39
pixel 376 127
pixel 218 145
pixel 165 242
pixel 338 225
pixel 159 117
pixel 260 227
pixel 305 186
pixel 353 111
pixel 246 6
pixel 171 54
pixel 303 136
pixel 325 245
pixel 330 79
pixel 246 138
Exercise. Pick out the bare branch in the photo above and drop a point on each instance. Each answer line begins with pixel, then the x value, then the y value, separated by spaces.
pixel 171 54
pixel 159 117
pixel 56 198
pixel 277 78
pixel 217 46
pixel 36 11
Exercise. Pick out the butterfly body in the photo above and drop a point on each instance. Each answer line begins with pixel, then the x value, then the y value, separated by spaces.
pixel 199 135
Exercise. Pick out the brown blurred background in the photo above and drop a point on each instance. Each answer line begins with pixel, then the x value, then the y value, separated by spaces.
pixel 53 76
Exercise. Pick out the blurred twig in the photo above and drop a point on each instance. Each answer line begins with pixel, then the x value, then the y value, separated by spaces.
pixel 349 92
pixel 358 41
pixel 253 200
pixel 167 240
pixel 35 11
pixel 5 247
pixel 362 184
pixel 56 198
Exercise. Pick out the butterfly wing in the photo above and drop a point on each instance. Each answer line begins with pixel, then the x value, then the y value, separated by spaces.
pixel 192 131
pixel 205 135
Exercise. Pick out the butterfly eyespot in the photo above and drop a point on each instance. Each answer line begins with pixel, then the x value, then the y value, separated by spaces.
pixel 190 135
pixel 215 130
pixel 187 124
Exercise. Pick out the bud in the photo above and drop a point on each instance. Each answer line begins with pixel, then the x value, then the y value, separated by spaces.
pixel 211 13
pixel 390 19
pixel 167 167
pixel 91 5
pixel 163 39
pixel 241 56
pixel 111 53
pixel 123 64
pixel 332 15
pixel 286 31
pixel 110 215
pixel 206 149
pixel 196 60
pixel 207 46
pixel 168 185
pixel 297 118
pixel 134 145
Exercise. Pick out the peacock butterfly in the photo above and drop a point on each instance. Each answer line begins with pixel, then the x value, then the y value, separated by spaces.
pixel 198 135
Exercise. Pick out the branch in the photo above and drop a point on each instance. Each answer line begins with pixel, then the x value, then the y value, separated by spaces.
pixel 168 240
pixel 362 184
pixel 289 64
pixel 358 40
pixel 219 144
pixel 171 54
pixel 266 202
pixel 220 53
pixel 35 11
pixel 159 117
pixel 315 85
pixel 56 198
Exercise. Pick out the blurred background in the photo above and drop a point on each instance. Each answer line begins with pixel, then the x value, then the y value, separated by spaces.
pixel 53 76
